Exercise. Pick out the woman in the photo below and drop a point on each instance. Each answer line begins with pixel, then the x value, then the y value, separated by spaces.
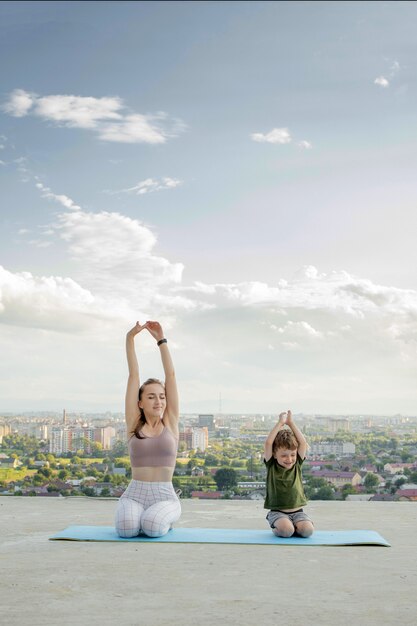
pixel 150 504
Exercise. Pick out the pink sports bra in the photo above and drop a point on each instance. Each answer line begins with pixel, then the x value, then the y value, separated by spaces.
pixel 160 451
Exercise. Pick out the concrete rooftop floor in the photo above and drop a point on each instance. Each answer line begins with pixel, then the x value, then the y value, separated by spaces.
pixel 61 582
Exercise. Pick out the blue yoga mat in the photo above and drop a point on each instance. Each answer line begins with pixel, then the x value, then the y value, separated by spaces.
pixel 229 535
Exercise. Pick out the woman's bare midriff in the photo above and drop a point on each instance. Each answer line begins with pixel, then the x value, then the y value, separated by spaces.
pixel 153 474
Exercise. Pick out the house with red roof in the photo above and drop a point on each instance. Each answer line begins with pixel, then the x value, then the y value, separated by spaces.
pixel 407 494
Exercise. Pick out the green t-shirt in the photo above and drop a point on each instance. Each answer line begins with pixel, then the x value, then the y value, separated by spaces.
pixel 284 487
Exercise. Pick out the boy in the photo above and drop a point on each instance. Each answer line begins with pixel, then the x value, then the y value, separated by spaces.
pixel 284 454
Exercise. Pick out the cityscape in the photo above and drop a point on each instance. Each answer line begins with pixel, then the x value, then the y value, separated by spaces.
pixel 354 457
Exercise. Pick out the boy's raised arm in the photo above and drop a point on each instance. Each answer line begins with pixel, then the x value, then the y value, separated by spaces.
pixel 271 437
pixel 302 443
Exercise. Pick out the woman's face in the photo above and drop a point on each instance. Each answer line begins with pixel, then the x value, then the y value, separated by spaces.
pixel 153 401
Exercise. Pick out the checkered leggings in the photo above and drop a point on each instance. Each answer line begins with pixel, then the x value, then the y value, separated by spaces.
pixel 148 507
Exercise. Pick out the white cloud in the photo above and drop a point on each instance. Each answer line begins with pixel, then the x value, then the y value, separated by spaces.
pixel 61 198
pixel 320 329
pixel 311 290
pixel 171 183
pixel 405 331
pixel 109 117
pixel 77 111
pixel 308 340
pixel 381 81
pixel 276 135
pixel 299 329
pixel 49 302
pixel 114 258
pixel 309 271
pixel 134 129
pixel 279 136
pixel 150 185
pixel 19 104
pixel 392 71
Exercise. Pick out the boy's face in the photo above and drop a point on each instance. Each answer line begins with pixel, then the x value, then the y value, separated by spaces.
pixel 286 458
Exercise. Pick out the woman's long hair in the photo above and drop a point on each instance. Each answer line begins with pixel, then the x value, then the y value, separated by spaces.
pixel 142 417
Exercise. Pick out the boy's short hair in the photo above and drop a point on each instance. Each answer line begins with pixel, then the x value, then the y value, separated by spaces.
pixel 285 439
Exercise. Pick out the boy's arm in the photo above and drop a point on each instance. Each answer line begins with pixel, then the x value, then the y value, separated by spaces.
pixel 302 443
pixel 271 437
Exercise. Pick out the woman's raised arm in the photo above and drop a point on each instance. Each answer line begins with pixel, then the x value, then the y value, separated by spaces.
pixel 133 383
pixel 171 413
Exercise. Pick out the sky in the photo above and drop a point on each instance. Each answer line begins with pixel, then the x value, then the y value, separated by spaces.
pixel 242 172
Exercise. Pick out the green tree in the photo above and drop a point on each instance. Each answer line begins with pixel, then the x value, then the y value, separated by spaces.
pixel 119 449
pixel 316 483
pixel 23 444
pixel 393 444
pixel 413 477
pixel 45 471
pixel 225 478
pixel 347 489
pixel 211 460
pixel 118 480
pixel 97 449
pixel 371 480
pixel 121 463
pixel 253 467
pixel 323 493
